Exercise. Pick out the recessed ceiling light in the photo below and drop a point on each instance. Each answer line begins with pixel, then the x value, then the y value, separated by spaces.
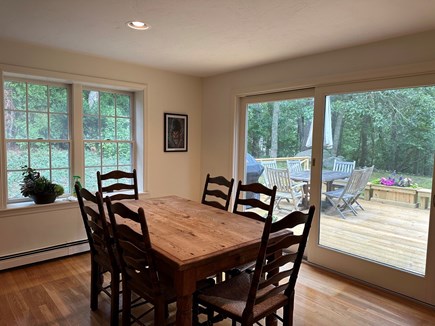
pixel 138 25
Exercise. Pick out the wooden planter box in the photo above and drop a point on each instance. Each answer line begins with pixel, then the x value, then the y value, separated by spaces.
pixel 401 196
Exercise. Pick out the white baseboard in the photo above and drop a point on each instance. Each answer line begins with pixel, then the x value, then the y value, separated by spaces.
pixel 40 255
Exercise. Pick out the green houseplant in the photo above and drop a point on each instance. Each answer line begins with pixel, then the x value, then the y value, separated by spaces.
pixel 39 188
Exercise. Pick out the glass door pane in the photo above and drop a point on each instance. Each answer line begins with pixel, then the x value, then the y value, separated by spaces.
pixel 383 143
pixel 279 135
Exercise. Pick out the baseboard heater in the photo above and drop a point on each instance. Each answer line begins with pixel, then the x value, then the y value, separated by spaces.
pixel 38 255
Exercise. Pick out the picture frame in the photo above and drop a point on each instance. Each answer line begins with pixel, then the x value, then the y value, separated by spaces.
pixel 175 132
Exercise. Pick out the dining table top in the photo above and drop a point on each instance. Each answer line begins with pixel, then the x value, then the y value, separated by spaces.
pixel 193 241
pixel 186 231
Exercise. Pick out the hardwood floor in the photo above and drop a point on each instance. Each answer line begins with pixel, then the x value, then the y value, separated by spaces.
pixel 57 293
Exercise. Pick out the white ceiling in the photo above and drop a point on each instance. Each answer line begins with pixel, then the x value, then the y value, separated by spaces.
pixel 208 37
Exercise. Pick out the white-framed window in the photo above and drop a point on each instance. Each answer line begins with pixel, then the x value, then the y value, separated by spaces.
pixel 49 130
pixel 37 132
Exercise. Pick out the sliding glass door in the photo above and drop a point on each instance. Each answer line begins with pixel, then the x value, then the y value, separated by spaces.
pixel 375 220
pixel 364 153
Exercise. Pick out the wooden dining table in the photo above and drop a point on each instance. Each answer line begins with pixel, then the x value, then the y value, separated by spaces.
pixel 193 241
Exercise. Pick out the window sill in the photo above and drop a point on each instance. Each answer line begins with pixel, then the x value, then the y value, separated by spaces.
pixel 32 208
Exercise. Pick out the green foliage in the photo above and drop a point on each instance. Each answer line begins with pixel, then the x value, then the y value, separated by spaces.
pixel 33 183
pixel 391 129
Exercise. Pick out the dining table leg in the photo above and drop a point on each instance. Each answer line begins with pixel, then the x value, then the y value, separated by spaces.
pixel 184 310
pixel 185 286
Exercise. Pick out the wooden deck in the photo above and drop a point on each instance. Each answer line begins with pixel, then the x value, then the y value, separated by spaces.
pixel 387 234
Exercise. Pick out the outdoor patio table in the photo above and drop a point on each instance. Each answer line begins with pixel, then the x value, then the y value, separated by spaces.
pixel 328 177
pixel 193 241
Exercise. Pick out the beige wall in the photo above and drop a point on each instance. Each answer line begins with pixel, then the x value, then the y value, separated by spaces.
pixel 393 57
pixel 166 173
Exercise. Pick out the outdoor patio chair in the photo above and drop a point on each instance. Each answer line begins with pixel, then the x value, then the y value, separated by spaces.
pixel 268 164
pixel 343 199
pixel 342 166
pixel 217 192
pixel 249 297
pixel 294 166
pixel 286 188
pixel 116 185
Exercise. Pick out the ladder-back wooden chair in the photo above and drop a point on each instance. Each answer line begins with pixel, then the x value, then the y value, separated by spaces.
pixel 217 192
pixel 254 200
pixel 139 271
pixel 249 297
pixel 114 177
pixel 103 256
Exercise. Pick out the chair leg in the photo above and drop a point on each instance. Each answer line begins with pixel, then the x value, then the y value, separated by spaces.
pixel 95 288
pixel 288 311
pixel 114 299
pixel 159 312
pixel 126 304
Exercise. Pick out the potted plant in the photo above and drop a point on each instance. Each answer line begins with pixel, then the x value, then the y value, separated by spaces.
pixel 395 189
pixel 39 188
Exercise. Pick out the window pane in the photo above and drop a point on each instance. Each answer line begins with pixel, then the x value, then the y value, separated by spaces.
pixel 62 177
pixel 110 155
pixel 107 128
pixel 17 155
pixel 124 152
pixel 59 126
pixel 92 154
pixel 60 155
pixel 14 181
pixel 15 95
pixel 15 125
pixel 123 129
pixel 90 127
pixel 382 216
pixel 122 105
pixel 39 155
pixel 107 104
pixel 90 102
pixel 38 126
pixel 58 99
pixel 90 181
pixel 37 97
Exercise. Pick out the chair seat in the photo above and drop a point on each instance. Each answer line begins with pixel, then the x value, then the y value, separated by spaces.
pixel 232 295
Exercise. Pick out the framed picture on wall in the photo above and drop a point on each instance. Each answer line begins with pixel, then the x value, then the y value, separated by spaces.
pixel 175 138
